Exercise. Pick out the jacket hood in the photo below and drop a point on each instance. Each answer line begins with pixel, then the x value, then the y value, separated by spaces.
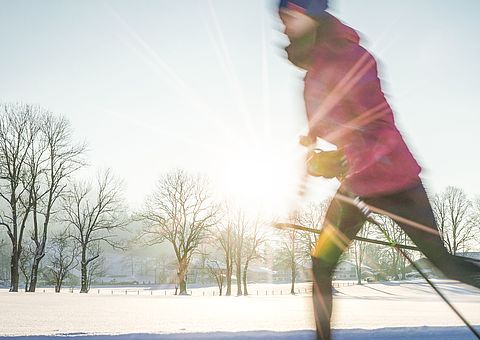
pixel 331 28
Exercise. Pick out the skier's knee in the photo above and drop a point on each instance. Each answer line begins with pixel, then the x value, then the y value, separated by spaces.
pixel 323 266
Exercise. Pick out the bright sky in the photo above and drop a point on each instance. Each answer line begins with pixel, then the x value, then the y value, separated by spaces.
pixel 203 85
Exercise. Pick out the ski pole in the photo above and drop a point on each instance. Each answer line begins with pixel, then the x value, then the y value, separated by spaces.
pixel 400 248
pixel 357 238
pixel 409 259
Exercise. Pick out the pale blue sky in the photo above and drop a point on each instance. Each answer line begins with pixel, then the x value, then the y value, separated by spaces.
pixel 153 85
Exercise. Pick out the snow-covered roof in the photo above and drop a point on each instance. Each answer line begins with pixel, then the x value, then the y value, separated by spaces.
pixel 354 265
pixel 259 269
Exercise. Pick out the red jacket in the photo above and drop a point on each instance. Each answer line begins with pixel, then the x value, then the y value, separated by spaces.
pixel 346 106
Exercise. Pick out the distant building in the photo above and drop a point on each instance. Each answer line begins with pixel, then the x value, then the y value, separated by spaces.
pixel 425 266
pixel 430 270
pixel 346 270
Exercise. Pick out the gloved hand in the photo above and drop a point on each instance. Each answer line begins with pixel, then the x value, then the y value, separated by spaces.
pixel 307 141
pixel 328 164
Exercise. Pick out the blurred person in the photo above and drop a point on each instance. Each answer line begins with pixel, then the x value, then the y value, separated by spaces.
pixel 345 106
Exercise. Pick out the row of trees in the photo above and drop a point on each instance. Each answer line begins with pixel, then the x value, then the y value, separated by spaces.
pixel 181 211
pixel 457 217
pixel 38 159
pixel 38 191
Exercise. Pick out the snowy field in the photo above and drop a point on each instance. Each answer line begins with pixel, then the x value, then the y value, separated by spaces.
pixel 404 310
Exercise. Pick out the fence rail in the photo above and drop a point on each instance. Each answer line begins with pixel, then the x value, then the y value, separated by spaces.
pixel 253 290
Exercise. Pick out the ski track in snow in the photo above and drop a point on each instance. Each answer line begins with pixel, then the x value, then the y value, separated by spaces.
pixel 393 310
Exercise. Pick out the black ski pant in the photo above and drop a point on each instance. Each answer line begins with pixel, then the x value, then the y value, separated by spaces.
pixel 344 220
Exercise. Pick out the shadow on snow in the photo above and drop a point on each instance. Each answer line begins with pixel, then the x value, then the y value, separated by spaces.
pixel 415 333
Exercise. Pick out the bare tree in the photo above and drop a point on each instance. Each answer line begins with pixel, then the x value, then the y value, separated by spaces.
pixel 63 256
pixel 291 254
pixel 223 238
pixel 52 160
pixel 254 240
pixel 95 268
pixel 359 250
pixel 296 247
pixel 18 130
pixel 36 157
pixel 181 212
pixel 453 213
pixel 26 258
pixel 218 273
pixel 476 217
pixel 240 240
pixel 311 216
pixel 393 263
pixel 240 227
pixel 95 217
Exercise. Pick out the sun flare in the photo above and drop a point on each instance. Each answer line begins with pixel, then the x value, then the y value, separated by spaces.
pixel 261 179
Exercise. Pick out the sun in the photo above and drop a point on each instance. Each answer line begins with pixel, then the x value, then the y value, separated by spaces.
pixel 261 178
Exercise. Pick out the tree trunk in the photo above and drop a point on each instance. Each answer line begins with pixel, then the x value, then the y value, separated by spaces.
pixel 182 276
pixel 183 287
pixel 244 278
pixel 395 263
pixel 294 276
pixel 36 264
pixel 58 285
pixel 59 281
pixel 229 280
pixel 239 278
pixel 84 279
pixel 84 270
pixel 359 275
pixel 33 275
pixel 14 275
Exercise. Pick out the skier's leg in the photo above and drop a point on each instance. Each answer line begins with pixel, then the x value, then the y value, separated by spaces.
pixel 414 205
pixel 342 223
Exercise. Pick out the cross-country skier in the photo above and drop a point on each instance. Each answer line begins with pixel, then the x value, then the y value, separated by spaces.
pixel 346 106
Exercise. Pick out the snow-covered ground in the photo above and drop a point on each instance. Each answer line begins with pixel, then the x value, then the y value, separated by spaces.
pixel 403 310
